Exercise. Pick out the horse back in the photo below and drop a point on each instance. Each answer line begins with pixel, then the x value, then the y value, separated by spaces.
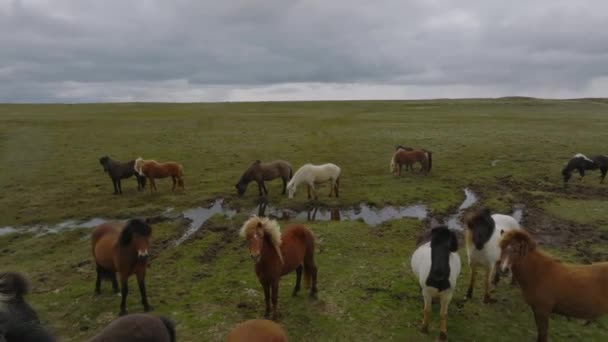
pixel 103 239
pixel 275 169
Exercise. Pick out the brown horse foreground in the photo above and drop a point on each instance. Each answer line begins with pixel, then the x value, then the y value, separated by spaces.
pixel 137 328
pixel 550 286
pixel 257 330
pixel 260 172
pixel 277 254
pixel 409 158
pixel 153 169
pixel 122 248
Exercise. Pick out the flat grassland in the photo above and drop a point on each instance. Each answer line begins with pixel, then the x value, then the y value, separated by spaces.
pixel 509 151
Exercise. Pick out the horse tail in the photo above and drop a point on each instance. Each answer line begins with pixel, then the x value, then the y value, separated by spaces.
pixel 429 159
pixel 170 327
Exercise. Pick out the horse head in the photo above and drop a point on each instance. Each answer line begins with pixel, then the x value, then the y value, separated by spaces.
pixel 566 173
pixel 136 234
pixel 291 188
pixel 481 226
pixel 254 231
pixel 105 162
pixel 241 187
pixel 514 245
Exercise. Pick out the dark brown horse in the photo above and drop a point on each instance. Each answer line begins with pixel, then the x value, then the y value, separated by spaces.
pixel 260 172
pixel 137 328
pixel 409 158
pixel 580 163
pixel 117 171
pixel 122 248
pixel 257 330
pixel 18 321
pixel 551 286
pixel 153 169
pixel 277 254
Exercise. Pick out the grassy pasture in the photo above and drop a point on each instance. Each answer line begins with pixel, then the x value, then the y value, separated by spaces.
pixel 509 151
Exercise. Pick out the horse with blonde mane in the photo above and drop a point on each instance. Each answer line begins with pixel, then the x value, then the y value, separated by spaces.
pixel 315 174
pixel 409 158
pixel 257 330
pixel 153 169
pixel 276 254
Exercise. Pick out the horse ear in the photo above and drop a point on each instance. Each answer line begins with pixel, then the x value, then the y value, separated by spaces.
pixel 126 235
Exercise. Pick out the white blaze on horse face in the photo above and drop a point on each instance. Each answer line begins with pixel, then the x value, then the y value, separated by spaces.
pixel 142 253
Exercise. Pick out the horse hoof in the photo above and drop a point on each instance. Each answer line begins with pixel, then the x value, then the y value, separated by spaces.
pixel 424 329
pixel 443 336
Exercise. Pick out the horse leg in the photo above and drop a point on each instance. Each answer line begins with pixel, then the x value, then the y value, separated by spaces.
pixel 152 185
pixel 296 289
pixel 542 324
pixel 331 188
pixel 443 316
pixel 400 166
pixel 426 311
pixel 98 281
pixel 308 186
pixel 119 186
pixel 115 186
pixel 114 284
pixel 336 191
pixel 471 281
pixel 260 190
pixel 266 287
pixel 141 282
pixel 496 277
pixel 582 173
pixel 314 191
pixel 487 298
pixel 264 188
pixel 174 183
pixel 124 291
pixel 275 299
pixel 284 185
pixel 604 171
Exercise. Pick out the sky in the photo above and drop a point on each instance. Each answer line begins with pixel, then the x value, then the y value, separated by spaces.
pixel 283 50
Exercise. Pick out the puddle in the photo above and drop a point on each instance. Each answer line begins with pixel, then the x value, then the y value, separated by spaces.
pixel 518 212
pixel 7 230
pixel 368 214
pixel 42 229
pixel 200 215
pixel 469 199
pixel 454 221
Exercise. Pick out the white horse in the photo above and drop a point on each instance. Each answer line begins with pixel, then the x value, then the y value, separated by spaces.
pixel 436 264
pixel 315 174
pixel 482 237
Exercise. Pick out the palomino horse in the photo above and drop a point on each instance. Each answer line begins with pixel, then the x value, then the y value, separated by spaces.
pixel 137 327
pixel 277 254
pixel 550 286
pixel 122 248
pixel 482 236
pixel 315 174
pixel 580 163
pixel 153 169
pixel 117 171
pixel 257 330
pixel 409 158
pixel 260 172
pixel 436 264
pixel 18 321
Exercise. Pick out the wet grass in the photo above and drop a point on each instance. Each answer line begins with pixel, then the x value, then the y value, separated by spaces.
pixel 49 172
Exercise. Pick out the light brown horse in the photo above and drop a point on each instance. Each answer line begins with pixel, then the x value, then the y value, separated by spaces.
pixel 550 286
pixel 409 158
pixel 137 327
pixel 277 254
pixel 153 169
pixel 122 248
pixel 257 330
pixel 260 172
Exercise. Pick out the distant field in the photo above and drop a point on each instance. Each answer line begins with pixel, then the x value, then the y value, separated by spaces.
pixel 509 151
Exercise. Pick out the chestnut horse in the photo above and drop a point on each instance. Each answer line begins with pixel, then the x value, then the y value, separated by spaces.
pixel 260 172
pixel 153 169
pixel 122 248
pixel 409 158
pixel 276 254
pixel 257 330
pixel 550 286
pixel 137 327
pixel 18 321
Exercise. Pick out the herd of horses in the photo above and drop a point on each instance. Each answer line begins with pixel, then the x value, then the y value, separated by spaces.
pixel 495 242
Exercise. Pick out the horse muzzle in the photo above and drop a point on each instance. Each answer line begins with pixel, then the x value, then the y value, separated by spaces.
pixel 142 255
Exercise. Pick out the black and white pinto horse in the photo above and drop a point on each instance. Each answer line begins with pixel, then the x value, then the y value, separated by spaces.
pixel 18 321
pixel 580 162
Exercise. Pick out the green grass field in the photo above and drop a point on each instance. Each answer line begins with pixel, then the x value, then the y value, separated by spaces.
pixel 509 151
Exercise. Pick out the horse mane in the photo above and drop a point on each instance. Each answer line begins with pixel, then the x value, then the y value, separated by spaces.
pixel 270 227
pixel 138 164
pixel 134 226
pixel 520 236
pixel 580 155
pixel 443 243
pixel 481 218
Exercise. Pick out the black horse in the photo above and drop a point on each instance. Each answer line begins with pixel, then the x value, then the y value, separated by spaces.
pixel 18 321
pixel 580 162
pixel 117 171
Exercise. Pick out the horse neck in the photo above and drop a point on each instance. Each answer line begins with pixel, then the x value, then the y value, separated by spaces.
pixel 269 254
pixel 529 268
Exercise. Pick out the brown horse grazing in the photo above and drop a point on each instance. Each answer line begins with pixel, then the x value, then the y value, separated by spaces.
pixel 123 248
pixel 257 330
pixel 137 327
pixel 409 158
pixel 260 172
pixel 277 254
pixel 550 286
pixel 153 169
pixel 117 171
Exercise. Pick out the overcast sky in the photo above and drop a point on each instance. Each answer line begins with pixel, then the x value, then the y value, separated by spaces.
pixel 236 50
